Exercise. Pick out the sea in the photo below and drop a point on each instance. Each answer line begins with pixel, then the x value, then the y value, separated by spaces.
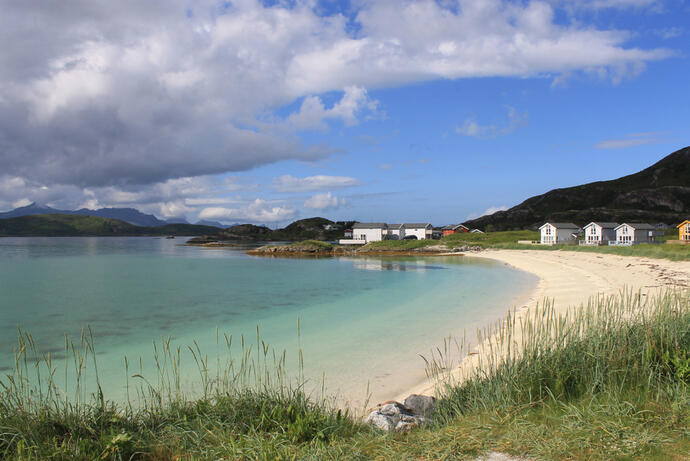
pixel 357 329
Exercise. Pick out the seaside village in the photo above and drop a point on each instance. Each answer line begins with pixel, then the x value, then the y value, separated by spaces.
pixel 552 233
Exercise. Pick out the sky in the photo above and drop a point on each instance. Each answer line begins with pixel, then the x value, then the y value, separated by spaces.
pixel 370 110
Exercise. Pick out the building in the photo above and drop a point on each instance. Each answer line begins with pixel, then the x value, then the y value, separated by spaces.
pixel 418 231
pixel 454 229
pixel 395 232
pixel 476 231
pixel 553 233
pixel 599 233
pixel 347 234
pixel 684 231
pixel 634 233
pixel 369 231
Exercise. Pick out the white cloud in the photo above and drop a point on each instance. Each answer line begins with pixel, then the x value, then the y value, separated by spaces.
pixel 259 211
pixel 101 93
pixel 474 129
pixel 324 202
pixel 631 140
pixel 288 183
pixel 488 211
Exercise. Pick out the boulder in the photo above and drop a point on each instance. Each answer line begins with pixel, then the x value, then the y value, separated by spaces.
pixel 380 421
pixel 421 405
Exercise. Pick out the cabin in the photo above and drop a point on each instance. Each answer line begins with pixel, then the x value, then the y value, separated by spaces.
pixel 599 233
pixel 454 229
pixel 347 234
pixel 684 231
pixel 395 232
pixel 634 233
pixel 369 231
pixel 476 231
pixel 418 231
pixel 553 233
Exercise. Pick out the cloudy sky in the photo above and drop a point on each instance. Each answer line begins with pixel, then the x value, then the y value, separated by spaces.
pixel 270 111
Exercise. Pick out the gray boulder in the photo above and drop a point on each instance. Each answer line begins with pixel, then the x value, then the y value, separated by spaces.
pixel 421 405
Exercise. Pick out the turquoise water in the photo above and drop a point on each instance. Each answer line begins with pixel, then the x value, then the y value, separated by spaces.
pixel 363 320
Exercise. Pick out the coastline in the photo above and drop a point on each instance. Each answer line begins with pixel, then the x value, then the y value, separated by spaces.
pixel 571 279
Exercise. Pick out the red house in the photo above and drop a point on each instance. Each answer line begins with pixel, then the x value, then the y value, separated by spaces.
pixel 454 229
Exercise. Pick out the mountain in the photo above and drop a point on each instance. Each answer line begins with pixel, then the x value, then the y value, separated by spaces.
pixel 660 193
pixel 62 225
pixel 304 229
pixel 129 215
pixel 206 222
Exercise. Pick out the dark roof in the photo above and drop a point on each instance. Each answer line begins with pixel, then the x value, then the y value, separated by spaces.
pixel 638 225
pixel 454 227
pixel 416 224
pixel 370 225
pixel 394 226
pixel 562 225
pixel 605 225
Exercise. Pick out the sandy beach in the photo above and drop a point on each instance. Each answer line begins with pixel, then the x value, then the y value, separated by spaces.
pixel 571 278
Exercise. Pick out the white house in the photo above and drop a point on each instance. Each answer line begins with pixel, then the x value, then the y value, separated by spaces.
pixel 558 232
pixel 419 230
pixel 599 233
pixel 633 233
pixel 476 231
pixel 369 231
pixel 395 232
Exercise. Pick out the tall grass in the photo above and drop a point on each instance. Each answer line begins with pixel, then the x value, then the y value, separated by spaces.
pixel 607 380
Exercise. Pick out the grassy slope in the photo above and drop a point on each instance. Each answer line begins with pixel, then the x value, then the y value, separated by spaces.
pixel 593 387
pixel 78 225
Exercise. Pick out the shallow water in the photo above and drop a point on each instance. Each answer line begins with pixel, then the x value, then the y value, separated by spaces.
pixel 363 320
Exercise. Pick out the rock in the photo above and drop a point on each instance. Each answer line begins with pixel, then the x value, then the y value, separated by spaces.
pixel 380 421
pixel 422 405
pixel 393 409
pixel 406 426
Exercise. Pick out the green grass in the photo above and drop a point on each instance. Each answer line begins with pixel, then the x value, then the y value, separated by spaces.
pixel 399 245
pixel 610 380
pixel 489 239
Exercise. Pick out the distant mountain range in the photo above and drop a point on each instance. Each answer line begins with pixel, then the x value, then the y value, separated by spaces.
pixel 128 215
pixel 660 193
pixel 69 225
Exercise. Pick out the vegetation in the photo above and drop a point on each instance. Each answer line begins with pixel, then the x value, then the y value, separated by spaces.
pixel 64 225
pixel 607 381
pixel 490 239
pixel 399 245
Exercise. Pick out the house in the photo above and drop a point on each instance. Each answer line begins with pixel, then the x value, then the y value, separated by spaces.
pixel 599 233
pixel 418 231
pixel 476 231
pixel 633 233
pixel 395 232
pixel 347 234
pixel 370 232
pixel 684 231
pixel 454 229
pixel 436 233
pixel 554 232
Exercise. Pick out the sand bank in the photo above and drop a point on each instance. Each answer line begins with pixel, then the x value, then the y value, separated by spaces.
pixel 571 278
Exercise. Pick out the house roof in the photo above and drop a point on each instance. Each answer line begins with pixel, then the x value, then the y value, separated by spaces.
pixel 416 224
pixel 605 225
pixel 684 222
pixel 476 231
pixel 394 226
pixel 562 225
pixel 370 225
pixel 637 225
pixel 454 227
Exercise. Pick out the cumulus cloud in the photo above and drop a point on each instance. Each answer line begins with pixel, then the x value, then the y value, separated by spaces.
pixel 288 183
pixel 474 129
pixel 324 202
pixel 488 211
pixel 99 93
pixel 259 211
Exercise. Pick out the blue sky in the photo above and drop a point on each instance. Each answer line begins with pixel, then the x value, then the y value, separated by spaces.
pixel 268 112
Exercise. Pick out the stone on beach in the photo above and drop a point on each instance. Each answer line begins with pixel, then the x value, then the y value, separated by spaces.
pixel 391 415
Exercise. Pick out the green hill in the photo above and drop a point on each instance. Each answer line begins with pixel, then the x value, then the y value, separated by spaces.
pixel 63 225
pixel 660 193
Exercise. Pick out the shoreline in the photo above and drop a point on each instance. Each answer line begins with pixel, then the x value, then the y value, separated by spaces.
pixel 570 279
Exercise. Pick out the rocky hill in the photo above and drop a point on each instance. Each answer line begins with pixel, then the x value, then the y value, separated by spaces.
pixel 660 193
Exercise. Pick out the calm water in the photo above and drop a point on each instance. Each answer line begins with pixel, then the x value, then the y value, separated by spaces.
pixel 362 320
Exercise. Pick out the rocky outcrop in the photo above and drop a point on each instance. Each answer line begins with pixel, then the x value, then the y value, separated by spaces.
pixel 415 411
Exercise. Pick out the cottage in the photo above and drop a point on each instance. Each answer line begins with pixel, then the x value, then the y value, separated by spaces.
pixel 684 231
pixel 418 231
pixel 369 232
pixel 599 233
pixel 395 232
pixel 476 231
pixel 553 233
pixel 634 233
pixel 454 229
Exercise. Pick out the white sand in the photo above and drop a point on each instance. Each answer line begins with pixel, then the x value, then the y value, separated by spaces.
pixel 571 278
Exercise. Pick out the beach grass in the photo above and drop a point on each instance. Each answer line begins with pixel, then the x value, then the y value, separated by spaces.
pixel 610 380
